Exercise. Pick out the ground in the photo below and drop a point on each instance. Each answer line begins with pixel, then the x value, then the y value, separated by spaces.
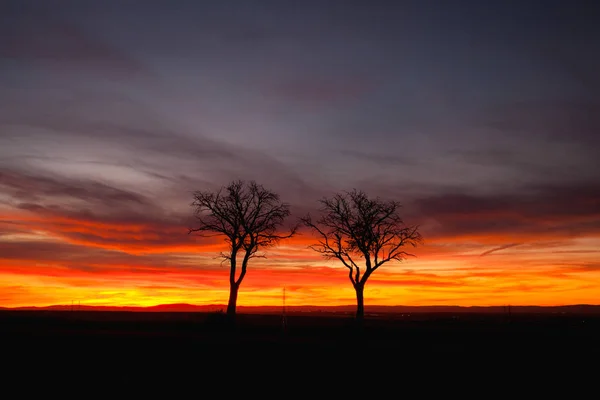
pixel 125 344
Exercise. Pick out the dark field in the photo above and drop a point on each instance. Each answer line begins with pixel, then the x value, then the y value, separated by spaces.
pixel 406 333
pixel 128 343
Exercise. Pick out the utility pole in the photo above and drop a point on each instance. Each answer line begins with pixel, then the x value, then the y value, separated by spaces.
pixel 283 316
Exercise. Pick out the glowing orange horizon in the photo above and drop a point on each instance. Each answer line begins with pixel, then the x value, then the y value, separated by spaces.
pixel 125 264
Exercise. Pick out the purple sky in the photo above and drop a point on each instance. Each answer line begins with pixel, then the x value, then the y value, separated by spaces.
pixel 122 108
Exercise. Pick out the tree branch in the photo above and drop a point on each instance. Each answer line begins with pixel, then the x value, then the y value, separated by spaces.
pixel 246 214
pixel 353 226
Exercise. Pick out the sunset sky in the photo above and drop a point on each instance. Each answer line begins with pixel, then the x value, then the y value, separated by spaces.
pixel 481 117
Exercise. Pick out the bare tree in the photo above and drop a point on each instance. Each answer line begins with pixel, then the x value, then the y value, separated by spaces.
pixel 248 216
pixel 356 229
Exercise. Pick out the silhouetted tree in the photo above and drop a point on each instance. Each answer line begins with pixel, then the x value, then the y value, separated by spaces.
pixel 248 216
pixel 354 227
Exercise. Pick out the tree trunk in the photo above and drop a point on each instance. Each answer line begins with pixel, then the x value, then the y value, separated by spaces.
pixel 360 303
pixel 233 293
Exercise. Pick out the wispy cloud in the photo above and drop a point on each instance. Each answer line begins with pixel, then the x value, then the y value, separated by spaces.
pixel 507 246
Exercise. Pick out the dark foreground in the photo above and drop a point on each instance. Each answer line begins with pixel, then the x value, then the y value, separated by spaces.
pixel 123 344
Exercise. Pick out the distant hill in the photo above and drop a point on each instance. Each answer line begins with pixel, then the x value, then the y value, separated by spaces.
pixel 571 309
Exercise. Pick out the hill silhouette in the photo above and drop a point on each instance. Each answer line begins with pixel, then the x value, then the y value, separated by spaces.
pixel 344 309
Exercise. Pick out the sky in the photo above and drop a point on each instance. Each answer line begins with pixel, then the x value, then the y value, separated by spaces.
pixel 481 118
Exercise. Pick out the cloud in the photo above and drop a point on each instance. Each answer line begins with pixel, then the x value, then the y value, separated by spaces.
pixel 507 246
pixel 55 195
pixel 536 212
pixel 498 156
pixel 562 120
pixel 123 141
pixel 60 258
pixel 315 91
pixel 53 251
pixel 27 188
pixel 91 212
pixel 36 38
pixel 133 233
pixel 380 159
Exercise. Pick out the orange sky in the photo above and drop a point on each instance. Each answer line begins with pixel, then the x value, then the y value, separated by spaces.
pixel 59 265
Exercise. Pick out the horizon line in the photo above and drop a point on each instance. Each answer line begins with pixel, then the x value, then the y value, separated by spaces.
pixel 216 305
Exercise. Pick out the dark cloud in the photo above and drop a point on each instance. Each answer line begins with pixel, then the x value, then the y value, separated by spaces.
pixel 36 37
pixel 92 212
pixel 76 112
pixel 499 156
pixel 50 255
pixel 507 246
pixel 575 267
pixel 124 229
pixel 380 159
pixel 415 282
pixel 52 251
pixel 315 91
pixel 29 188
pixel 8 227
pixel 126 133
pixel 544 211
pixel 577 120
pixel 103 215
